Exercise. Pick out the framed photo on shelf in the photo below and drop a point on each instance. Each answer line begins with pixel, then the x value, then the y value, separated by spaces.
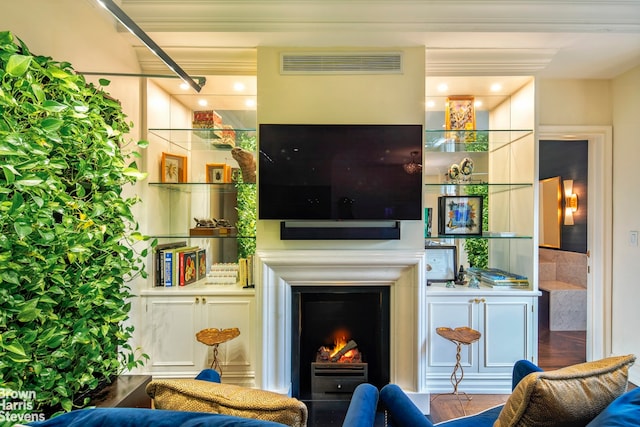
pixel 460 215
pixel 218 173
pixel 236 174
pixel 440 264
pixel 173 168
pixel 460 113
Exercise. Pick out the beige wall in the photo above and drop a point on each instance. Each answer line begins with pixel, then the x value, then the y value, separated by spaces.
pixel 573 102
pixel 372 98
pixel 626 205
pixel 76 31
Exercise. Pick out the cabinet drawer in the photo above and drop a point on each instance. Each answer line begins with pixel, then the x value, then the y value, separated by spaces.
pixel 336 381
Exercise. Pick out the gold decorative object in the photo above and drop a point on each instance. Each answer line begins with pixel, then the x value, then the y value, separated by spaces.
pixel 213 337
pixel 459 336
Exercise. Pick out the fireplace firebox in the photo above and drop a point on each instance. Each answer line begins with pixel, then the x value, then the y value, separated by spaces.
pixel 334 317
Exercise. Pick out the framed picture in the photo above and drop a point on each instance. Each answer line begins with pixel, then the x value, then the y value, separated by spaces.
pixel 460 215
pixel 460 113
pixel 440 264
pixel 236 174
pixel 173 168
pixel 428 218
pixel 217 173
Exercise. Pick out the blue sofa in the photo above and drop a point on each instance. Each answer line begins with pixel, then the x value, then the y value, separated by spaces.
pixel 141 417
pixel 592 394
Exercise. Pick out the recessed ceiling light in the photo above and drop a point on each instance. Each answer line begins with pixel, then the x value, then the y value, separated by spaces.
pixel 238 86
pixel 477 103
pixel 496 87
pixel 202 102
pixel 250 102
pixel 431 104
pixel 184 86
pixel 443 87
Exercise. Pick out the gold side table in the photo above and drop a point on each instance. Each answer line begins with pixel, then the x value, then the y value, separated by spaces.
pixel 459 336
pixel 213 337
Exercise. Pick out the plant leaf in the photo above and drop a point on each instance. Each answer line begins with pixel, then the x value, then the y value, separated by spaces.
pixel 17 65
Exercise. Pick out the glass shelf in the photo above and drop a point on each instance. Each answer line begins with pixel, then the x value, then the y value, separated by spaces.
pixel 202 138
pixel 485 235
pixel 189 187
pixel 443 140
pixel 188 236
pixel 460 189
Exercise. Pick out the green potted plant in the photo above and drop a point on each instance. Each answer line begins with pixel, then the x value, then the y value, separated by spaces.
pixel 67 231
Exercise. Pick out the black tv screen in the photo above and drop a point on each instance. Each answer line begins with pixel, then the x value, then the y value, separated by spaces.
pixel 339 172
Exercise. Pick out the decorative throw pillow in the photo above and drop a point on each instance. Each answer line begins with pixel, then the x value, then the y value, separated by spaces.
pixel 570 396
pixel 228 399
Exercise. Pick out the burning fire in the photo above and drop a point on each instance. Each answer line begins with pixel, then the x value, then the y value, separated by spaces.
pixel 338 345
pixel 344 351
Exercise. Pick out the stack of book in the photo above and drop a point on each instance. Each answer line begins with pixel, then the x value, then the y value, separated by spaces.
pixel 176 264
pixel 498 278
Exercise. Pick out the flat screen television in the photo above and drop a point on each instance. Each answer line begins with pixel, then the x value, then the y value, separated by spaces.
pixel 339 172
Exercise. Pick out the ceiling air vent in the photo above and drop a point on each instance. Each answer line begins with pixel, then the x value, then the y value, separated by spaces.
pixel 341 63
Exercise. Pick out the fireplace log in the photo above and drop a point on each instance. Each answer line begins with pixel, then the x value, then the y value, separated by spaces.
pixel 349 346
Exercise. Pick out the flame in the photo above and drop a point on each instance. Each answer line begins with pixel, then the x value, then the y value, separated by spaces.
pixel 338 344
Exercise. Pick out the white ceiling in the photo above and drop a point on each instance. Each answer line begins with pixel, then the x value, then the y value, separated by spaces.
pixel 584 39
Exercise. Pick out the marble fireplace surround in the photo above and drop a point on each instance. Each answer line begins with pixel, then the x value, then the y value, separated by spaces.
pixel 402 271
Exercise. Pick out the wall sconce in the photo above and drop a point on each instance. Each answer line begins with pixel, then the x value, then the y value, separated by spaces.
pixel 570 201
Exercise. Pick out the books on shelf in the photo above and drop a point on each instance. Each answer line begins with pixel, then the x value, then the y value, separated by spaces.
pixel 158 260
pixel 496 277
pixel 176 264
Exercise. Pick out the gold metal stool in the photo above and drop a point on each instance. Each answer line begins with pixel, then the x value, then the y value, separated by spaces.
pixel 459 336
pixel 214 337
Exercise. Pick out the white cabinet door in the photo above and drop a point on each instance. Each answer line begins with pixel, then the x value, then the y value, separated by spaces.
pixel 505 339
pixel 170 327
pixel 451 312
pixel 236 356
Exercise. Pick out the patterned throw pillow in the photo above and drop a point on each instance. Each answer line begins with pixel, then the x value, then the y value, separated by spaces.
pixel 570 396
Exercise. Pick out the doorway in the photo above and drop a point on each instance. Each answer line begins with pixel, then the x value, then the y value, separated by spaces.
pixel 599 229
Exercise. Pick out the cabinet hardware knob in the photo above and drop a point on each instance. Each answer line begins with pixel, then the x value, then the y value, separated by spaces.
pixel 197 300
pixel 483 300
pixel 339 386
pixel 204 300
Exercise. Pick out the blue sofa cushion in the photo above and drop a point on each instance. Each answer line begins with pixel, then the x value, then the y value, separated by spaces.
pixel 403 413
pixel 485 418
pixel 622 412
pixel 401 410
pixel 210 375
pixel 362 408
pixel 141 417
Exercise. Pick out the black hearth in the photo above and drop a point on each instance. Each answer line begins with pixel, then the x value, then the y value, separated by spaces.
pixel 322 315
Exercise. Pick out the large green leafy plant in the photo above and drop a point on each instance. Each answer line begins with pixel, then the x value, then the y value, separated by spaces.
pixel 246 206
pixel 67 231
pixel 478 249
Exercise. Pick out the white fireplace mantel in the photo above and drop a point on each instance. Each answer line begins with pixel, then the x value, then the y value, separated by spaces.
pixel 403 271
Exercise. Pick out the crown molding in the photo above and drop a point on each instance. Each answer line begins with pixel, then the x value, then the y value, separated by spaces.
pixel 400 15
pixel 481 62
